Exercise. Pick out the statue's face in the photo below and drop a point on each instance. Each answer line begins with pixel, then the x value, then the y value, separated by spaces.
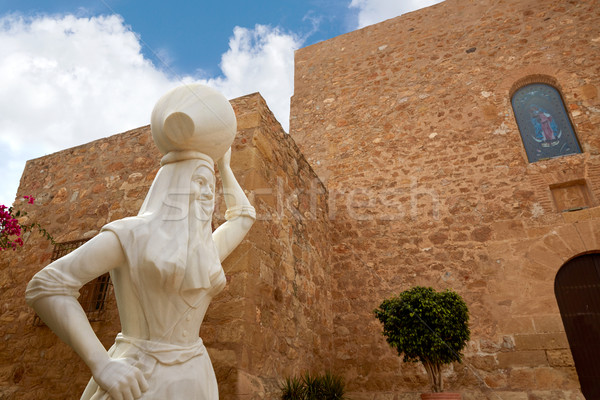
pixel 202 193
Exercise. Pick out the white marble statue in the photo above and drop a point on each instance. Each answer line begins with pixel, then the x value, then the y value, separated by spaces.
pixel 165 263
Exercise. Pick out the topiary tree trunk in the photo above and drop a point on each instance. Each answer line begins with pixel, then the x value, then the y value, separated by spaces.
pixel 434 373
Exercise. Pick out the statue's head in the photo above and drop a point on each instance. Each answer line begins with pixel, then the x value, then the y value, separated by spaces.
pixel 193 118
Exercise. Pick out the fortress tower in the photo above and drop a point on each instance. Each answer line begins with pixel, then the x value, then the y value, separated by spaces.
pixel 412 126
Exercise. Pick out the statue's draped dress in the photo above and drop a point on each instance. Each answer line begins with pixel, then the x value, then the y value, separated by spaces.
pixel 162 291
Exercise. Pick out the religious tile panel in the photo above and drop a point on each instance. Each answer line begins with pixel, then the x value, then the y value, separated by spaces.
pixel 543 122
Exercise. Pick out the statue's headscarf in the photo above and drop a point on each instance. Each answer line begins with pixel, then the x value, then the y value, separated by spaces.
pixel 158 243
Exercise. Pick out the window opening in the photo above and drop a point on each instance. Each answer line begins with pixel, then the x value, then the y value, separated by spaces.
pixel 93 295
pixel 543 122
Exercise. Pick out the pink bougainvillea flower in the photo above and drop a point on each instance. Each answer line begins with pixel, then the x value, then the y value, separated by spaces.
pixel 11 229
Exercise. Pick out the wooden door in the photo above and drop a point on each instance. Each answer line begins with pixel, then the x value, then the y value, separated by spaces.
pixel 577 289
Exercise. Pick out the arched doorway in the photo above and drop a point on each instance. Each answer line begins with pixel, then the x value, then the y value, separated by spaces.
pixel 577 290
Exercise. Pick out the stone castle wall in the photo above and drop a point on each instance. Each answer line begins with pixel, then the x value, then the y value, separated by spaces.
pixel 276 307
pixel 409 124
pixel 286 327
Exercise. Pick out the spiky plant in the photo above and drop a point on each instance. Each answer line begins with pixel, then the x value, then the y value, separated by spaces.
pixel 333 387
pixel 313 387
pixel 292 388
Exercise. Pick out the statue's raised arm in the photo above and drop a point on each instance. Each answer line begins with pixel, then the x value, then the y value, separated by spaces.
pixel 240 215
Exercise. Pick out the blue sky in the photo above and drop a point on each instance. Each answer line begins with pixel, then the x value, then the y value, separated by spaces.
pixel 75 71
pixel 192 35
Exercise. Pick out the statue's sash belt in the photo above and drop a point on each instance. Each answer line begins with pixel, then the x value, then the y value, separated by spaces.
pixel 144 354
pixel 164 353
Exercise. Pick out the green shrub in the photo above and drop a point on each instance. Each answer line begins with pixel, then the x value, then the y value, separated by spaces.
pixel 333 387
pixel 313 387
pixel 427 326
pixel 292 388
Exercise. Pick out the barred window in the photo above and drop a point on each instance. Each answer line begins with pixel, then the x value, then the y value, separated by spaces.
pixel 93 295
pixel 64 248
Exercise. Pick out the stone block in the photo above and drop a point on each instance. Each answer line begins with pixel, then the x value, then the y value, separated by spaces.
pixel 535 305
pixel 264 146
pixel 587 230
pixel 241 259
pixel 548 323
pixel 248 120
pixel 506 395
pixel 560 358
pixel 385 396
pixel 541 341
pixel 543 255
pixel 498 380
pixel 360 395
pixel 521 378
pixel 555 244
pixel 547 394
pixel 570 235
pixel 407 396
pixel 535 232
pixel 226 311
pixel 589 91
pixel 484 363
pixel 470 395
pixel 547 378
pixel 574 395
pixel 594 212
pixel 249 386
pixel 9 392
pixel 511 229
pixel 531 358
pixel 229 333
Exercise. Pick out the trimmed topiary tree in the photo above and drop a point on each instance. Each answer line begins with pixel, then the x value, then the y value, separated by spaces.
pixel 427 326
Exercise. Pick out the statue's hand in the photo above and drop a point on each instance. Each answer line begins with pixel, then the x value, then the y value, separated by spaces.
pixel 223 162
pixel 121 380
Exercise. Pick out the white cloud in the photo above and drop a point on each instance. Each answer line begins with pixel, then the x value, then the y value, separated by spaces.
pixel 372 11
pixel 260 60
pixel 66 80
